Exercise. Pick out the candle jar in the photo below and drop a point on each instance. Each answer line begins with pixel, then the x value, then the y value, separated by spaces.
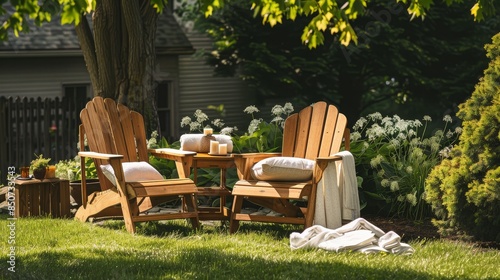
pixel 51 172
pixel 214 147
pixel 208 131
pixel 222 149
pixel 25 172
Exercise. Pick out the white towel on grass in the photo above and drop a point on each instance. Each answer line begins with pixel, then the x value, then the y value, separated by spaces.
pixel 358 235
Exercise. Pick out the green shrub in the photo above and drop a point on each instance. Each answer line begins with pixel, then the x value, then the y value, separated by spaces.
pixel 70 169
pixel 166 167
pixel 464 190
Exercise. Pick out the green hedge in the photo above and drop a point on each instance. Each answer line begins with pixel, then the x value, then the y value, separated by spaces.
pixel 464 190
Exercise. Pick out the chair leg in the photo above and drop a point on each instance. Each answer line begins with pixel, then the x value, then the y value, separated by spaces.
pixel 128 213
pixel 309 215
pixel 237 204
pixel 190 202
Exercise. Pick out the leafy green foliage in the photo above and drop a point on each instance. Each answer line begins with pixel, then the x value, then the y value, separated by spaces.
pixel 327 15
pixel 39 162
pixel 71 169
pixel 464 190
pixel 396 68
pixel 395 156
pixel 18 18
pixel 165 167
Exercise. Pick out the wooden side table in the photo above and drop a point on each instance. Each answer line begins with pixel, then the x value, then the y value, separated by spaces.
pixel 204 160
pixel 42 197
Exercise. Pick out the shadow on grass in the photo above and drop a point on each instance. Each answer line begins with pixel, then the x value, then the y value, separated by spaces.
pixel 183 228
pixel 192 263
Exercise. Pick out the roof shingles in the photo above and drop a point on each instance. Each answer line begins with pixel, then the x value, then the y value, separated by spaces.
pixel 53 37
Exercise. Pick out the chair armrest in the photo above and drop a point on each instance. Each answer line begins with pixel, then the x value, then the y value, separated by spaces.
pixel 183 159
pixel 321 164
pixel 100 155
pixel 328 159
pixel 170 151
pixel 245 161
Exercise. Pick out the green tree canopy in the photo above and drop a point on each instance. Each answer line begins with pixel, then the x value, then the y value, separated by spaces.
pixel 396 60
pixel 324 15
pixel 334 16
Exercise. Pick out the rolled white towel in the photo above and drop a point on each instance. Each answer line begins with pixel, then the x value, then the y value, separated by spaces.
pixel 201 143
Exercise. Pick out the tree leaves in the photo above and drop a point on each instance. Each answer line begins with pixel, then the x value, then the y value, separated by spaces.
pixel 327 15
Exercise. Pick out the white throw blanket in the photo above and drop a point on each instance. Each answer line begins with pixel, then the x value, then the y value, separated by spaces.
pixel 201 144
pixel 358 235
pixel 337 193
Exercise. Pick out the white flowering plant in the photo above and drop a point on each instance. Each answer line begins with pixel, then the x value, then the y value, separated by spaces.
pixel 397 155
pixel 261 136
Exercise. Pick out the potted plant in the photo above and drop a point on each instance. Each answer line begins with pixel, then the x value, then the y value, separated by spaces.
pixel 39 166
pixel 71 170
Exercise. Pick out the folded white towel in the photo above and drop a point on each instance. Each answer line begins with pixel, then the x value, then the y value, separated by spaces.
pixel 352 241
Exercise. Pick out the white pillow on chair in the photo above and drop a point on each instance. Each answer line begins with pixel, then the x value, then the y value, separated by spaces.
pixel 133 172
pixel 283 169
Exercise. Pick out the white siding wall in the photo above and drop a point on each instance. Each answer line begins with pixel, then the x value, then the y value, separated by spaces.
pixel 198 88
pixel 36 76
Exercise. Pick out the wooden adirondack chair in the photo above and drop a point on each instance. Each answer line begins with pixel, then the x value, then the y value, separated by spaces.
pixel 116 135
pixel 316 132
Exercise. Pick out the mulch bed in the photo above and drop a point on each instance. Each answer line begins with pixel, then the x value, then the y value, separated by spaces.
pixel 407 229
pixel 412 230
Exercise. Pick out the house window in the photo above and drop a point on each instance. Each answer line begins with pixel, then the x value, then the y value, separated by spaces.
pixel 76 93
pixel 165 110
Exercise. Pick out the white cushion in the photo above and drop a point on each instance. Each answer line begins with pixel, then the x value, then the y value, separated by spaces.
pixel 283 169
pixel 133 171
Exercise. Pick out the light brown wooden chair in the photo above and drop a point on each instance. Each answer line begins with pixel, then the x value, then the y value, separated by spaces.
pixel 317 132
pixel 116 135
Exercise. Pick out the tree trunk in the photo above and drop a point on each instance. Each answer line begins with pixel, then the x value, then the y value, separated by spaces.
pixel 120 56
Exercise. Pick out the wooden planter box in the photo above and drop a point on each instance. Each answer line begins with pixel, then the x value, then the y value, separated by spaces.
pixel 42 197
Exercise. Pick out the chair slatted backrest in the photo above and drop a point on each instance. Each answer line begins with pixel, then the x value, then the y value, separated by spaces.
pixel 114 129
pixel 315 131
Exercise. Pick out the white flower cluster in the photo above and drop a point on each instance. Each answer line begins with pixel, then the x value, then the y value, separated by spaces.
pixel 401 154
pixel 198 123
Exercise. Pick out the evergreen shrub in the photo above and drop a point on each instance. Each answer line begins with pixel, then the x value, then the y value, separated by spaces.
pixel 464 190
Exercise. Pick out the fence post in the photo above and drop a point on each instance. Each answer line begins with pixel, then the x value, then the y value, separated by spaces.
pixel 4 164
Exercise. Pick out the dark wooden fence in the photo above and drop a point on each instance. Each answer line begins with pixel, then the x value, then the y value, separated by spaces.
pixel 30 127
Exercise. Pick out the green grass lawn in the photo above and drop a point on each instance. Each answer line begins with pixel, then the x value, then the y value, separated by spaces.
pixel 67 249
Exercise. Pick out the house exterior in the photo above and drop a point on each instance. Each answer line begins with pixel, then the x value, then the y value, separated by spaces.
pixel 47 62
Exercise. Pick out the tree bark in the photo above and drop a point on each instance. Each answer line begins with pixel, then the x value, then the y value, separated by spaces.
pixel 119 52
